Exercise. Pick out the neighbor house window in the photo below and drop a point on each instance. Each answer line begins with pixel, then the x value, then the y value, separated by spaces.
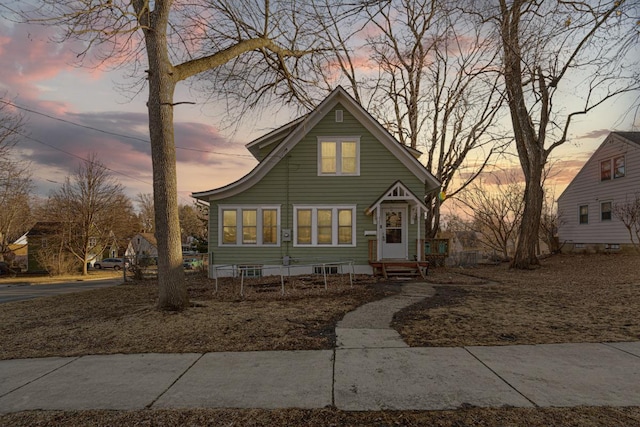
pixel 605 211
pixel 92 242
pixel 249 225
pixel 339 156
pixel 584 214
pixel 605 170
pixel 618 167
pixel 324 226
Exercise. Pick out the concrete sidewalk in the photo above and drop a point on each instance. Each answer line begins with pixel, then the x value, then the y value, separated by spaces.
pixel 351 379
pixel 371 369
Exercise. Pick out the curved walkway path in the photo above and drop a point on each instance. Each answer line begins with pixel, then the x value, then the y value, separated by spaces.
pixel 369 326
pixel 371 369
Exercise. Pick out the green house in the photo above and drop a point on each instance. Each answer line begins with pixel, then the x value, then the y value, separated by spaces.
pixel 332 188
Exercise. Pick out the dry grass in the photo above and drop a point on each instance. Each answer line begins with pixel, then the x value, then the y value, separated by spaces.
pixel 578 298
pixel 568 299
pixel 124 319
pixel 471 417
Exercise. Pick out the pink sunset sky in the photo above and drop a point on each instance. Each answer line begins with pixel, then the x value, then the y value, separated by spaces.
pixel 39 75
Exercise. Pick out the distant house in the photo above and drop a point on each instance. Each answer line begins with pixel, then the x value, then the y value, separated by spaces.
pixel 142 245
pixel 41 237
pixel 331 186
pixel 611 176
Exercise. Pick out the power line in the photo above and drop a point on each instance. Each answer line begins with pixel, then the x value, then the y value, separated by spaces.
pixel 135 138
pixel 87 160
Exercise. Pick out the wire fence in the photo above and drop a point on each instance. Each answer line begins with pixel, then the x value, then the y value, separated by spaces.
pixel 276 267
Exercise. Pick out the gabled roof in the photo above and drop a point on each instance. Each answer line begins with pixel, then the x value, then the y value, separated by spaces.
pixel 271 137
pixel 297 129
pixel 631 138
pixel 149 237
pixel 397 191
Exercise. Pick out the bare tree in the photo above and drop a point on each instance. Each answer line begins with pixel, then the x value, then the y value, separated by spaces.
pixel 15 183
pixel 496 210
pixel 12 125
pixel 430 79
pixel 629 213
pixel 146 212
pixel 15 214
pixel 90 209
pixel 191 222
pixel 560 59
pixel 550 220
pixel 175 41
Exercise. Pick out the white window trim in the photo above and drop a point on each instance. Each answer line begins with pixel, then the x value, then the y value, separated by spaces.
pixel 338 140
pixel 239 209
pixel 314 226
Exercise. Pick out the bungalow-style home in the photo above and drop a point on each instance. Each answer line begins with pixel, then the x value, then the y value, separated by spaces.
pixel 586 208
pixel 331 187
pixel 142 245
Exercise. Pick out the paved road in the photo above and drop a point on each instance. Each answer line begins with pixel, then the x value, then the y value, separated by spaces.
pixel 21 291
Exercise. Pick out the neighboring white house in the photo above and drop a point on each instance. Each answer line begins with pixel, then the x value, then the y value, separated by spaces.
pixel 142 245
pixel 611 176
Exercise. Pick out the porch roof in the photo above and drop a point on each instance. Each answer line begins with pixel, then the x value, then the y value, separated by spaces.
pixel 397 192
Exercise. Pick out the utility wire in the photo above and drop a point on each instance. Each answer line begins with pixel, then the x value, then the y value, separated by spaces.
pixel 135 138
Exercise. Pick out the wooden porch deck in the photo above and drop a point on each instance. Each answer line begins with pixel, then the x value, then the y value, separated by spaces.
pixel 400 268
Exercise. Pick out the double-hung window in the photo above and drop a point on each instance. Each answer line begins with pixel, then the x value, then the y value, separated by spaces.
pixel 248 225
pixel 605 211
pixel 324 225
pixel 584 214
pixel 612 168
pixel 338 155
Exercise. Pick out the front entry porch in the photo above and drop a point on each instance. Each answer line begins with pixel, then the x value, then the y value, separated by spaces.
pixel 396 267
pixel 397 211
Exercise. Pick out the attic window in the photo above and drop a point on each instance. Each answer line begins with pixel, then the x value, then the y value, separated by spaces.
pixel 339 156
pixel 339 116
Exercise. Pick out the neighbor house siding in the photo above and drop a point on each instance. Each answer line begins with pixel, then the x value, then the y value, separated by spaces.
pixel 294 181
pixel 588 189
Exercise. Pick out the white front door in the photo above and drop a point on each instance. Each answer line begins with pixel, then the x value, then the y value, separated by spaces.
pixel 394 233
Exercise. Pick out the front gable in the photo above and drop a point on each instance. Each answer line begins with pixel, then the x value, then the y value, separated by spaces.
pixel 323 191
pixel 609 177
pixel 323 121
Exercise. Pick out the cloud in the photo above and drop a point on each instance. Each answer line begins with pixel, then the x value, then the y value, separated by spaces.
pixel 595 134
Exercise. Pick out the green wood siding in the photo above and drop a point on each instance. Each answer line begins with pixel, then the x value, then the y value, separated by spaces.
pixel 294 180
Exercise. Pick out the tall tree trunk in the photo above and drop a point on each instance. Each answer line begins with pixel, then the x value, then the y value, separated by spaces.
pixel 172 294
pixel 528 143
pixel 525 255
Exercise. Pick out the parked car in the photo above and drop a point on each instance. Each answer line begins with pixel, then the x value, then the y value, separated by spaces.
pixel 115 263
pixel 191 263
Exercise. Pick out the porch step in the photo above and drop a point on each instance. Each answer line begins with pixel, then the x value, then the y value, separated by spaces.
pixel 400 268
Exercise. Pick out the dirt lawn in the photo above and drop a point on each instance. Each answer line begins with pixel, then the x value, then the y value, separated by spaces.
pixel 568 299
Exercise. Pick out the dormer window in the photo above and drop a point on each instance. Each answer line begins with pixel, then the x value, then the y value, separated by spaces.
pixel 339 156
